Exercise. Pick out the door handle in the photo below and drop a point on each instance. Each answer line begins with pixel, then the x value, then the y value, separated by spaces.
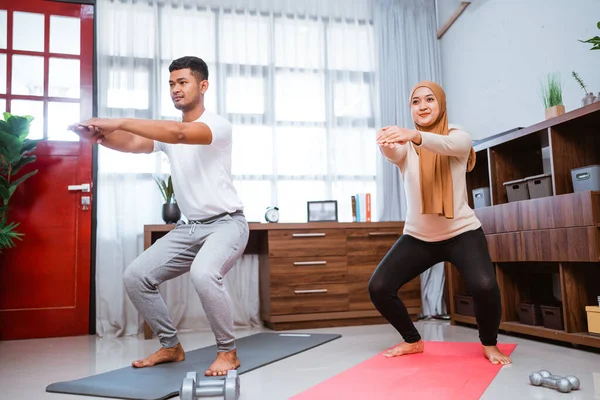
pixel 84 187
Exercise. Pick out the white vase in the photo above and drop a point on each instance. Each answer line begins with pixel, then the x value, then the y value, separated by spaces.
pixel 588 99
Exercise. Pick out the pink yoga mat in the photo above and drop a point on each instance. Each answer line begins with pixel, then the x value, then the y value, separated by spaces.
pixel 445 370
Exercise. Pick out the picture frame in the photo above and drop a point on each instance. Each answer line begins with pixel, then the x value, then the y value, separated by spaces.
pixel 322 211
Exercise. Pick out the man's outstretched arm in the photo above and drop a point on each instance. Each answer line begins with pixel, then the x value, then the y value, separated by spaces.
pixel 118 140
pixel 162 131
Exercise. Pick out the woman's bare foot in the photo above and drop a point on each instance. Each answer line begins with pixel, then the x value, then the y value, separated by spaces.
pixel 496 356
pixel 224 362
pixel 405 348
pixel 164 355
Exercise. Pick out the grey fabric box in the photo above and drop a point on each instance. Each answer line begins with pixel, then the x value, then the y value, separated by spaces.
pixel 481 197
pixel 539 186
pixel 516 190
pixel 586 178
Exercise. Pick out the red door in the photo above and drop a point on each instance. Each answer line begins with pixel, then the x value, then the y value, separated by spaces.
pixel 46 57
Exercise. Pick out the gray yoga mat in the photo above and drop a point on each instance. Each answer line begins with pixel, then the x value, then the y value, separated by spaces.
pixel 164 380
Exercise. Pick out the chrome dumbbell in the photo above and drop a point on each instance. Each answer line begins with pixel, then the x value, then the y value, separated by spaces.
pixel 562 384
pixel 193 388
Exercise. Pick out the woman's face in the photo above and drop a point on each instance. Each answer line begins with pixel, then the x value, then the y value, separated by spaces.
pixel 424 107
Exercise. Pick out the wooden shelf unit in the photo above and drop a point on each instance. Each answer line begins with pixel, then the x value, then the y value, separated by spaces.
pixel 545 250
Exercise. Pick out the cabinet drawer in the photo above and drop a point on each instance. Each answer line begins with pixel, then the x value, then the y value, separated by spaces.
pixel 307 270
pixel 505 247
pixel 562 211
pixel 567 244
pixel 360 268
pixel 307 243
pixel 499 218
pixel 371 241
pixel 298 299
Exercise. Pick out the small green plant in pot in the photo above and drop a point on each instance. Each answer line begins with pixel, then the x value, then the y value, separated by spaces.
pixel 15 153
pixel 589 96
pixel 551 94
pixel 170 211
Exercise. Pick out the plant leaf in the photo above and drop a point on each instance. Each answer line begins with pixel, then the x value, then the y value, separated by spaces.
pixel 22 179
pixel 22 162
pixel 8 234
pixel 598 25
pixel 19 127
pixel 10 147
pixel 595 39
pixel 170 189
pixel 28 145
pixel 159 183
pixel 4 194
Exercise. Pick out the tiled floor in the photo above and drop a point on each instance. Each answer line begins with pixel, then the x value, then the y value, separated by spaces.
pixel 28 366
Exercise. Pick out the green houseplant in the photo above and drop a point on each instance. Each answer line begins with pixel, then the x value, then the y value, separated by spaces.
pixel 551 94
pixel 170 209
pixel 595 41
pixel 15 153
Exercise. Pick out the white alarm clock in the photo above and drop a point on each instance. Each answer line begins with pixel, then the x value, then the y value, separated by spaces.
pixel 272 214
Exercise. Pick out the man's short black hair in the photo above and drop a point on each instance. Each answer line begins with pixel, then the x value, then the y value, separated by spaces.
pixel 196 65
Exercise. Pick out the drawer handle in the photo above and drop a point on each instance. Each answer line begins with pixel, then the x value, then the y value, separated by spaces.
pixel 310 262
pixel 383 233
pixel 308 234
pixel 310 291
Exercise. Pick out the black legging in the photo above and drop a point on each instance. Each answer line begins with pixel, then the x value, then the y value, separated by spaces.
pixel 409 257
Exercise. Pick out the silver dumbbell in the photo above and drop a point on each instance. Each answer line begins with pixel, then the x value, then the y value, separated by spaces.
pixel 560 383
pixel 193 388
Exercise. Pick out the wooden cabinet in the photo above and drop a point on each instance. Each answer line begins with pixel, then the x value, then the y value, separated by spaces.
pixel 317 274
pixel 545 250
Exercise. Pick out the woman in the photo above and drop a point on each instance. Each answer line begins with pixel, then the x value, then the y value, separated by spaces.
pixel 439 226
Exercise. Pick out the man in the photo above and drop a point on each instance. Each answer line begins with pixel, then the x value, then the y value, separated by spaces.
pixel 199 150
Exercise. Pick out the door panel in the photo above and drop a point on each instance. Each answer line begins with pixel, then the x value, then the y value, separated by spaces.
pixel 45 279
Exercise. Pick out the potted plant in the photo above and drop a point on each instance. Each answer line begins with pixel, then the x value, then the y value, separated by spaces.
pixel 15 153
pixel 170 210
pixel 552 96
pixel 589 97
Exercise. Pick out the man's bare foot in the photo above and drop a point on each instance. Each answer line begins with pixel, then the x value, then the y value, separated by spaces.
pixel 224 362
pixel 164 355
pixel 495 356
pixel 405 348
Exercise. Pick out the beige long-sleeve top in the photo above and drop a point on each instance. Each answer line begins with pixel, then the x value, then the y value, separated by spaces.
pixel 433 227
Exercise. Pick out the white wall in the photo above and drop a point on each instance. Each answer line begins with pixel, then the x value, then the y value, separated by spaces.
pixel 496 53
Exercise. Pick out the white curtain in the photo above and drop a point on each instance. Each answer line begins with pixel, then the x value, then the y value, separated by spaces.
pixel 297 81
pixel 407 52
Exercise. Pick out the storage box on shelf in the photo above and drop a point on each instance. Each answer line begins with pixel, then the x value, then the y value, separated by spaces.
pixel 539 186
pixel 586 178
pixel 530 314
pixel 554 231
pixel 464 305
pixel 481 197
pixel 593 316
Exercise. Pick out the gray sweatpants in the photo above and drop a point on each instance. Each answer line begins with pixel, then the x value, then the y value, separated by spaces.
pixel 208 250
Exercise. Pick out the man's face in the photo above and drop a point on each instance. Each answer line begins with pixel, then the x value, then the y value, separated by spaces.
pixel 186 90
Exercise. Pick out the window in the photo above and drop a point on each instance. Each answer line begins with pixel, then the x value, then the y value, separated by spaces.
pixel 40 76
pixel 297 90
